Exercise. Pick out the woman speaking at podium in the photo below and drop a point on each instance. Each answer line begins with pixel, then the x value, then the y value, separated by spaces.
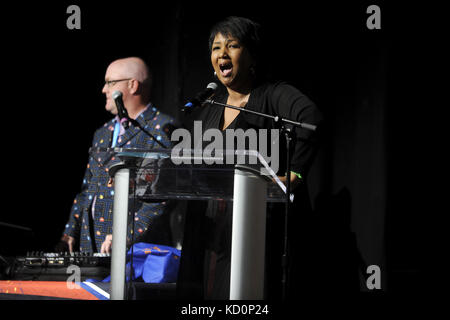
pixel 236 52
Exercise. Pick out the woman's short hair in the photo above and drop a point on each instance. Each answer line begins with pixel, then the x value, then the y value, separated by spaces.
pixel 244 30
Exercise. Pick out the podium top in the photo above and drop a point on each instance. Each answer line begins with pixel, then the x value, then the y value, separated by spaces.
pixel 191 174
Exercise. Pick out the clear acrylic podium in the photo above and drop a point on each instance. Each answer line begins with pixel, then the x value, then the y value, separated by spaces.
pixel 241 176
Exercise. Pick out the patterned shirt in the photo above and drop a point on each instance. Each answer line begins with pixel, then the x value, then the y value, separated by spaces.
pixel 96 184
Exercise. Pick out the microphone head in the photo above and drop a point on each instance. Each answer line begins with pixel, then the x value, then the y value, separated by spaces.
pixel 212 85
pixel 116 94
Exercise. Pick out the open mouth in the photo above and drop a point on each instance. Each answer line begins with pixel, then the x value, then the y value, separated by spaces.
pixel 225 69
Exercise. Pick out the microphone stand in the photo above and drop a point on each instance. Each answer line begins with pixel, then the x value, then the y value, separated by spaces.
pixel 280 122
pixel 124 117
pixel 137 124
pixel 277 119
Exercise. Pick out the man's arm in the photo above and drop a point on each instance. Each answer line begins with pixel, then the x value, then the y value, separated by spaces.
pixel 73 227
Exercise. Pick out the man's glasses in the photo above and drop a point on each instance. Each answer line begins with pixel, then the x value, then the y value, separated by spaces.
pixel 111 83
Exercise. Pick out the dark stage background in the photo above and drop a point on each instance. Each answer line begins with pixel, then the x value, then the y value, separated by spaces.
pixel 366 185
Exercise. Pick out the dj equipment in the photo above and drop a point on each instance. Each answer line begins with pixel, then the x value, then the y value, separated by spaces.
pixel 60 266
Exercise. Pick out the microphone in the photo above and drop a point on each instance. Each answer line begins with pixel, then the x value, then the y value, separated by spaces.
pixel 202 96
pixel 122 112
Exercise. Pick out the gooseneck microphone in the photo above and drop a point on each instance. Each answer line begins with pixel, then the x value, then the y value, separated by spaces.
pixel 122 112
pixel 200 98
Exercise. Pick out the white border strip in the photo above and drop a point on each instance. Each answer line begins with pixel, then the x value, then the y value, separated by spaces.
pixel 97 289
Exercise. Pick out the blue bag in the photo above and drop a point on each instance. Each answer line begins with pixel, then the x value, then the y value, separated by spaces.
pixel 153 263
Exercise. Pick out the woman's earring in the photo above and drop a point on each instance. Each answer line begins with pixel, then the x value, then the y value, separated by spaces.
pixel 215 74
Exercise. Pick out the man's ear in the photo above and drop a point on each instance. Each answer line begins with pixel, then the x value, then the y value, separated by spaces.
pixel 133 86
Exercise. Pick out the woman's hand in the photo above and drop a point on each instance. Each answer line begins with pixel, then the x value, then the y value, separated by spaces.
pixel 295 180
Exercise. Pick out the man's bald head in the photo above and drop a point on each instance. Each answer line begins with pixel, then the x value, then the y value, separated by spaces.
pixel 133 80
pixel 132 67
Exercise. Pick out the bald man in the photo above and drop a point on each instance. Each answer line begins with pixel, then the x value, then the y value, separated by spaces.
pixel 132 77
pixel 89 228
